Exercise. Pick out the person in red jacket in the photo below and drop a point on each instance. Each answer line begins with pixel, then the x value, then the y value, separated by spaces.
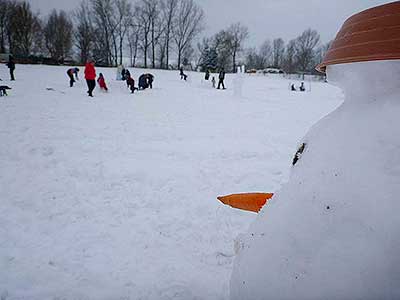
pixel 90 76
pixel 102 82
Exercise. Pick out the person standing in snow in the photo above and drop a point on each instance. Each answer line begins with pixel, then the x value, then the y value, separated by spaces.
pixel 302 87
pixel 207 76
pixel 90 76
pixel 183 75
pixel 102 83
pixel 11 66
pixel 213 81
pixel 221 79
pixel 71 72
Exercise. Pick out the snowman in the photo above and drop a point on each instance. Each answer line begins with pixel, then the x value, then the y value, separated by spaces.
pixel 333 231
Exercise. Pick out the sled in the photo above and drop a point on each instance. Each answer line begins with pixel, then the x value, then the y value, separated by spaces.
pixel 248 201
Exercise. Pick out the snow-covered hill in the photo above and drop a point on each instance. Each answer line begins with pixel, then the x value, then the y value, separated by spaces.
pixel 114 197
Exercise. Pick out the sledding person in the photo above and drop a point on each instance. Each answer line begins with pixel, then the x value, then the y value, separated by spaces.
pixel 11 66
pixel 102 83
pixel 207 75
pixel 71 72
pixel 90 76
pixel 293 88
pixel 131 84
pixel 302 87
pixel 183 75
pixel 221 79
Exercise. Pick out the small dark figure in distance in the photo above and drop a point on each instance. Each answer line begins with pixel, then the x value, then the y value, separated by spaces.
pixel 90 76
pixel 150 79
pixel 302 87
pixel 11 66
pixel 183 75
pixel 221 79
pixel 213 82
pixel 293 88
pixel 207 76
pixel 71 72
pixel 131 84
pixel 102 83
pixel 3 90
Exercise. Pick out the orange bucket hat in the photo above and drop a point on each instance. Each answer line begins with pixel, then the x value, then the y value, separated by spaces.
pixel 373 34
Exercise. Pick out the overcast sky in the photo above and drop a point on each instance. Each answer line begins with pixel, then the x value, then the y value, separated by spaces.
pixel 266 19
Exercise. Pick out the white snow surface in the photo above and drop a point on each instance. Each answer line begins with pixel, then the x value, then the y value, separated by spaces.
pixel 333 230
pixel 115 197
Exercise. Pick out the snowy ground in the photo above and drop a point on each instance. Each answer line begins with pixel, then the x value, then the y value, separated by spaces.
pixel 115 197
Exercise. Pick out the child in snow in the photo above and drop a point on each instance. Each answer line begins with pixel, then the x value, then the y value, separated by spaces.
pixel 213 82
pixel 71 72
pixel 302 87
pixel 102 82
pixel 131 84
pixel 293 88
pixel 183 75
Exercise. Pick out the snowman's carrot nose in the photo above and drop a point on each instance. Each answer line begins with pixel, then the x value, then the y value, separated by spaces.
pixel 248 201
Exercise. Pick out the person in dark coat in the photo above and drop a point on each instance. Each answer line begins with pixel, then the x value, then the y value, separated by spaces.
pixel 90 76
pixel 11 66
pixel 293 88
pixel 221 79
pixel 123 74
pixel 302 87
pixel 183 75
pixel 207 76
pixel 71 72
pixel 150 79
pixel 143 82
pixel 131 84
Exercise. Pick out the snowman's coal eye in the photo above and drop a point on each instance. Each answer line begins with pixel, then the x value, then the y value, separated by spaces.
pixel 298 154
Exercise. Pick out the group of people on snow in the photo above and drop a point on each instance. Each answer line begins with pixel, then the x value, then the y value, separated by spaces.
pixel 302 87
pixel 221 78
pixel 145 80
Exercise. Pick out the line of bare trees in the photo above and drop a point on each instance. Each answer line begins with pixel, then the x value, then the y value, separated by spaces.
pixel 301 54
pixel 151 33
pixel 153 30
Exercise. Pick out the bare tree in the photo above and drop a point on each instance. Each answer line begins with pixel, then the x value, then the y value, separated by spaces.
pixel 278 52
pixel 189 24
pixel 289 61
pixel 144 12
pixel 305 46
pixel 58 35
pixel 24 30
pixel 123 22
pixel 103 12
pixel 84 31
pixel 6 10
pixel 266 53
pixel 168 13
pixel 238 34
pixel 133 40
